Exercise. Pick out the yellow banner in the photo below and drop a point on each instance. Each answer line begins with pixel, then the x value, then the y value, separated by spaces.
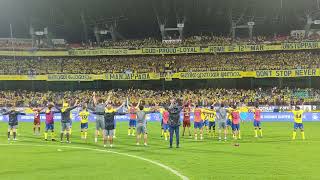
pixel 22 78
pixel 70 77
pixel 208 75
pixel 287 73
pixel 168 77
pixel 248 74
pixel 174 50
pixel 34 53
pixel 102 52
pixel 132 76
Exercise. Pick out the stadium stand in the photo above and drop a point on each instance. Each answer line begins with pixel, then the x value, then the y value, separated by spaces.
pixel 175 63
pixel 202 97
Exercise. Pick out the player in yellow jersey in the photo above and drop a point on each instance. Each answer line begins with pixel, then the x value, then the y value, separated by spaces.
pixel 229 120
pixel 211 117
pixel 297 116
pixel 204 117
pixel 84 119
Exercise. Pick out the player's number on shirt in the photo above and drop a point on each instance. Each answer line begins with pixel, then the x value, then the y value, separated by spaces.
pixel 298 116
pixel 211 116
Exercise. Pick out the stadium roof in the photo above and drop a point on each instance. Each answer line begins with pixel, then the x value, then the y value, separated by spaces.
pixel 137 18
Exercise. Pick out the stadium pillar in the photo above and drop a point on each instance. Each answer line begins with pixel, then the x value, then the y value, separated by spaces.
pixel 97 85
pixel 251 83
pixel 250 31
pixel 32 85
pixel 309 82
pixel 280 82
pixel 163 84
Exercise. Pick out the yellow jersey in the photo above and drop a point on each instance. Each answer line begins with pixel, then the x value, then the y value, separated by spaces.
pixel 229 113
pixel 243 109
pixel 210 115
pixel 84 115
pixel 110 110
pixel 203 115
pixel 297 116
pixel 162 110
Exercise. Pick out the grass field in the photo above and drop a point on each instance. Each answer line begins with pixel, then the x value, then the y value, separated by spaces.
pixel 275 156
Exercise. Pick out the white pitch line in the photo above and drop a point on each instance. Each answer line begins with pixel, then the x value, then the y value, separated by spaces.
pixel 175 172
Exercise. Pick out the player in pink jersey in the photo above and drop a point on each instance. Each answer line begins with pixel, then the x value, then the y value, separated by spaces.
pixel 198 123
pixel 257 121
pixel 36 120
pixel 165 126
pixel 133 118
pixel 235 114
pixel 49 123
pixel 186 118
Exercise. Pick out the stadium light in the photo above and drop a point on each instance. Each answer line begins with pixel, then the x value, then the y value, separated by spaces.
pixel 316 21
pixel 251 23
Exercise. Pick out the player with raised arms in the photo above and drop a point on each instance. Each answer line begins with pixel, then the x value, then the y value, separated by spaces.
pixel 84 121
pixel 109 122
pixel 165 125
pixel 66 119
pixel 297 117
pixel 210 115
pixel 13 121
pixel 49 113
pixel 235 113
pixel 186 118
pixel 198 123
pixel 229 120
pixel 133 117
pixel 257 121
pixel 99 111
pixel 36 120
pixel 142 124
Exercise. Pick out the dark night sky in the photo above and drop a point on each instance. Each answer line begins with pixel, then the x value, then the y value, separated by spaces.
pixel 139 19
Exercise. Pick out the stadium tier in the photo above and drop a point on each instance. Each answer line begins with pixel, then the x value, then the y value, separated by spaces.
pixel 202 97
pixel 242 64
pixel 167 49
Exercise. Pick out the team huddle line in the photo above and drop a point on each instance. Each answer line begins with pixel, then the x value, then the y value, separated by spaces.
pixel 205 119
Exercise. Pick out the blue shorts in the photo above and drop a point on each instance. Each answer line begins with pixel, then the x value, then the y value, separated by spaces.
pixel 84 125
pixel 212 124
pixel 165 127
pixel 198 125
pixel 49 127
pixel 298 126
pixel 115 124
pixel 206 123
pixel 235 127
pixel 229 122
pixel 256 123
pixel 132 123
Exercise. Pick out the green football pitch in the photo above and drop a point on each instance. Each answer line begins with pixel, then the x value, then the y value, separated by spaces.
pixel 275 156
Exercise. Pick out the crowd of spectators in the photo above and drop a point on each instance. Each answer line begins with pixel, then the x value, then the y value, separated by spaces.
pixel 196 40
pixel 159 64
pixel 201 97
